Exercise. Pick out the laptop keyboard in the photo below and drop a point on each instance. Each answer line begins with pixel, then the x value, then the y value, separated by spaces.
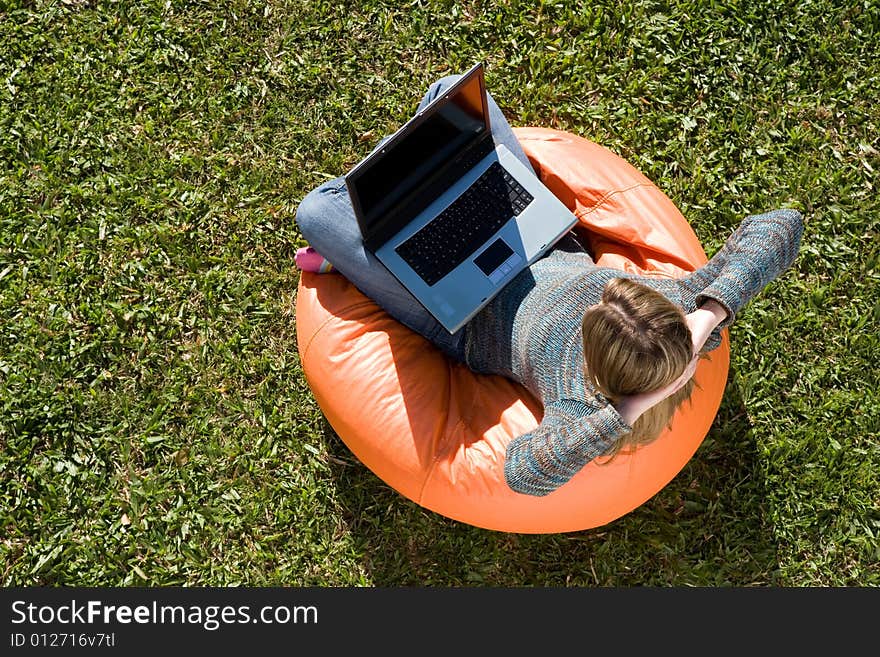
pixel 444 243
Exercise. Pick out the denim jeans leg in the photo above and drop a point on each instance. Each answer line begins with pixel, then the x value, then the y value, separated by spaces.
pixel 327 222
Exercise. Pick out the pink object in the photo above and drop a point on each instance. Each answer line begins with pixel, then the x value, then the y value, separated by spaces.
pixel 308 259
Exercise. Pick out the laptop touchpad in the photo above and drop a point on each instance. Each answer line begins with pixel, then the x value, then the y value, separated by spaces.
pixel 494 257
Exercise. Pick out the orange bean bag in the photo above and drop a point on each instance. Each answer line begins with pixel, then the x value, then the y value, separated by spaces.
pixel 437 432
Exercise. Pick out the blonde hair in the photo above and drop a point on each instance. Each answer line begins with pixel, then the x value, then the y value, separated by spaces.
pixel 637 341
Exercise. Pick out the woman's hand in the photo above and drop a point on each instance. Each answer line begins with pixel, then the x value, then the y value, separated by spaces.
pixel 632 406
pixel 703 321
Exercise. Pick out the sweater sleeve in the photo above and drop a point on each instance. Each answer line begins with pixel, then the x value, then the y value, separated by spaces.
pixel 571 435
pixel 759 250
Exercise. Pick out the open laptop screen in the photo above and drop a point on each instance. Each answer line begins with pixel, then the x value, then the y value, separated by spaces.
pixel 408 164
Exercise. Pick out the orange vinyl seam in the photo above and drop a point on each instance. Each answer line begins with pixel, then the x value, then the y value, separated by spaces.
pixel 608 196
pixel 605 198
pixel 436 459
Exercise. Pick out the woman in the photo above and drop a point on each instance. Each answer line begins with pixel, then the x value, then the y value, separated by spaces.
pixel 610 355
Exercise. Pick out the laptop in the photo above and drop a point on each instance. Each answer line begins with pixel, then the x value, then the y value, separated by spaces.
pixel 451 215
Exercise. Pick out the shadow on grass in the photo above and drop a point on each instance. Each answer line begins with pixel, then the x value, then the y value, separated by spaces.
pixel 707 527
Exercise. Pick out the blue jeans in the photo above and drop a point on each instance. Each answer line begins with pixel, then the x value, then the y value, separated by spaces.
pixel 327 222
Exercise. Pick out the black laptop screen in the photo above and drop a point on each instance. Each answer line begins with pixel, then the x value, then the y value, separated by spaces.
pixel 410 160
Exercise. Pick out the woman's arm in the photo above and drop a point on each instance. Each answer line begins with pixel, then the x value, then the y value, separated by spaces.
pixel 571 434
pixel 758 251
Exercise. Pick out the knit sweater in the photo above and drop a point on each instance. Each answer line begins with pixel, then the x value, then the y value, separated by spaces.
pixel 531 333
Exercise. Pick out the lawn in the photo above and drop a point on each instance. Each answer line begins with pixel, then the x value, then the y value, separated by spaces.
pixel 156 427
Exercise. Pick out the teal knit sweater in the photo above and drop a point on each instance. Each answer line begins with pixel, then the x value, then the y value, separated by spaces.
pixel 531 333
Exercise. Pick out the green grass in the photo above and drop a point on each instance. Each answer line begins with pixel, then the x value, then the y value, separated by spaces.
pixel 155 423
